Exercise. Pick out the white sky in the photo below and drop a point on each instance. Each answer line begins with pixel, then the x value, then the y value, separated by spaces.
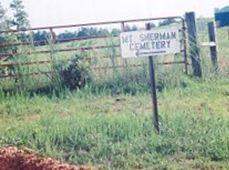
pixel 60 12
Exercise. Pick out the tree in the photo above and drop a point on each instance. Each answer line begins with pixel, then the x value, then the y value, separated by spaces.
pixel 152 25
pixel 4 25
pixel 20 16
pixel 87 32
pixel 3 18
pixel 4 38
pixel 40 37
pixel 129 28
pixel 83 32
pixel 167 22
pixel 134 28
pixel 102 32
pixel 66 35
pixel 115 32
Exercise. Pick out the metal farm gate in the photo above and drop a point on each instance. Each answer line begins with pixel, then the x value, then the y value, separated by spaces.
pixel 41 53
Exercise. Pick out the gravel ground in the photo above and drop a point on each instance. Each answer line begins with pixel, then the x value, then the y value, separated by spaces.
pixel 11 158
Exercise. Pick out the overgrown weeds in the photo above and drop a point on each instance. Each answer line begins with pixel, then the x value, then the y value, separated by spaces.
pixel 101 130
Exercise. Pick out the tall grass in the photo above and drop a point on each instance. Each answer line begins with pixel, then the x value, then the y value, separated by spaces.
pixel 91 126
pixel 126 139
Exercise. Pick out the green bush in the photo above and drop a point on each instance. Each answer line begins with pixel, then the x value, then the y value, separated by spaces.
pixel 74 74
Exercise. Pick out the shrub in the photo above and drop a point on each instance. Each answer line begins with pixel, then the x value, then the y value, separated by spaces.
pixel 74 74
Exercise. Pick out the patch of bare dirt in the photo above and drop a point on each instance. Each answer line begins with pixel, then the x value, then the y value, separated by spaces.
pixel 12 158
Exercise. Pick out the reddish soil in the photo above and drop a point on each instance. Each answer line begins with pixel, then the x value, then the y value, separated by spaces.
pixel 12 158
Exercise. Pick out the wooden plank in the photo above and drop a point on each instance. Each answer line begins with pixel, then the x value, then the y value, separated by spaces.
pixel 194 49
pixel 208 44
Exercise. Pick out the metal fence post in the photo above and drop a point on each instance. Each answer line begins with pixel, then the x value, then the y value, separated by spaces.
pixel 153 90
pixel 194 49
pixel 213 48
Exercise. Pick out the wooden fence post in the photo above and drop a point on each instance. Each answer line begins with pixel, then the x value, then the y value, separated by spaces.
pixel 185 46
pixel 194 49
pixel 213 48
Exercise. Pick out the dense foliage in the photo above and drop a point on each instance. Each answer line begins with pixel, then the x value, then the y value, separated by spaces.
pixel 20 20
pixel 74 75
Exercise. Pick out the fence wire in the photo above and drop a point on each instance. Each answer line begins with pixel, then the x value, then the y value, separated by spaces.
pixel 23 58
pixel 102 54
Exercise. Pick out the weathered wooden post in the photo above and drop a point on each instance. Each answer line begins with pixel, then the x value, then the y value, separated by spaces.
pixel 185 46
pixel 194 49
pixel 213 47
pixel 153 89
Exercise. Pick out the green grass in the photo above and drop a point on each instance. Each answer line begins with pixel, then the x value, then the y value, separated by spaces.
pixel 116 132
pixel 108 124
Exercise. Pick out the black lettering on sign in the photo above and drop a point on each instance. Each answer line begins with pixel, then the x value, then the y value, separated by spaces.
pixel 139 46
pixel 153 45
pixel 150 45
pixel 158 45
pixel 164 36
pixel 144 46
pixel 142 37
pixel 173 35
pixel 127 39
pixel 168 44
pixel 157 36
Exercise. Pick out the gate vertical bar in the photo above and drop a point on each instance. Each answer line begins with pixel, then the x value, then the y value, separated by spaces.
pixel 126 69
pixel 52 42
pixel 153 90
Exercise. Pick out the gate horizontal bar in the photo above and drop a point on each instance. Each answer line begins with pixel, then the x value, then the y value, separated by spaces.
pixel 61 50
pixel 28 74
pixel 93 23
pixel 208 44
pixel 45 42
pixel 138 65
pixel 94 68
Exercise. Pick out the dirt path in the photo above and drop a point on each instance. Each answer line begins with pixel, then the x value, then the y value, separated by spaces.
pixel 12 158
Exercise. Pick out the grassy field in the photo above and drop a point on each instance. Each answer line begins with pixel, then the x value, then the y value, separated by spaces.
pixel 116 132
pixel 108 123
